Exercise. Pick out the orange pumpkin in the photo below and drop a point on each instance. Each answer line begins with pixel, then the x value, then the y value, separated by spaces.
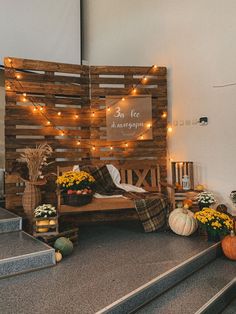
pixel 188 202
pixel 229 246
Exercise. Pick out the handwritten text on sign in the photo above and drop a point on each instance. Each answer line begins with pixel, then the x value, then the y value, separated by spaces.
pixel 129 118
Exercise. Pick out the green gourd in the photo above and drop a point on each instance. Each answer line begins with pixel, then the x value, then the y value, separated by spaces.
pixel 64 245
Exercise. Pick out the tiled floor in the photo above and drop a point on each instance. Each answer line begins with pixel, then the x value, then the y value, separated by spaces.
pixel 109 262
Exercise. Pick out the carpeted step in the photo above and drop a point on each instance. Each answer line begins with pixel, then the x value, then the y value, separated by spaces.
pixel 9 221
pixel 202 292
pixel 21 252
pixel 157 286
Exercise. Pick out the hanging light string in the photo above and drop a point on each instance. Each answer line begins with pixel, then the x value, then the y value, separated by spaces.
pixel 49 123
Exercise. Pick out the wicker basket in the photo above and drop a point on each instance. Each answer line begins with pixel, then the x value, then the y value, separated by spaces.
pixel 77 199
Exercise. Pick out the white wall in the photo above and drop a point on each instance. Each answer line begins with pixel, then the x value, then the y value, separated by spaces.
pixel 40 29
pixel 196 41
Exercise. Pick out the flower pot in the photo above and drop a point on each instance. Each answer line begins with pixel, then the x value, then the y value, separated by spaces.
pixel 213 236
pixel 77 199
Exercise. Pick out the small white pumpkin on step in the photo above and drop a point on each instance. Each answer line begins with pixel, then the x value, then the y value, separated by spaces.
pixel 182 221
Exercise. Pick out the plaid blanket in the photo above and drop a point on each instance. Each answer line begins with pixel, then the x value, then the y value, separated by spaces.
pixel 152 208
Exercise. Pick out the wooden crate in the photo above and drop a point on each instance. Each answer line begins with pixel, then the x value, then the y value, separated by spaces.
pixel 52 229
pixel 179 169
pixel 69 232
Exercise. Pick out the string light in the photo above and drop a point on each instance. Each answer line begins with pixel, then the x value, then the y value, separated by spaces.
pixel 141 137
pixel 76 116
pixel 108 109
pixel 93 114
pixel 48 122
pixel 93 148
pixel 24 99
pixel 123 99
pixel 164 115
pixel 111 148
pixel 59 113
pixel 18 76
pixel 149 125
pixel 145 79
pixel 134 90
pixel 41 108
pixel 9 60
pixel 154 66
pixel 78 143
pixel 35 109
pixel 126 144
pixel 24 94
pixel 8 87
pixel 62 133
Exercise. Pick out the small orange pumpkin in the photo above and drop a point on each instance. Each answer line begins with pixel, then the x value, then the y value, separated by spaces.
pixel 188 202
pixel 229 246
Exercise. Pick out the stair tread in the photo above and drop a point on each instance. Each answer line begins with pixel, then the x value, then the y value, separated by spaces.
pixel 15 244
pixel 231 308
pixel 192 293
pixel 5 214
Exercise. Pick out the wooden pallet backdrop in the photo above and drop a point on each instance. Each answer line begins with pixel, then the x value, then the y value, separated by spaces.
pixel 78 92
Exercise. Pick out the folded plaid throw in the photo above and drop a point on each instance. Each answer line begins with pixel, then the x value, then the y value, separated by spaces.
pixel 152 208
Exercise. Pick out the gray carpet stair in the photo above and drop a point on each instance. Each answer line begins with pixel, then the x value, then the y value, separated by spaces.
pixel 194 293
pixel 9 221
pixel 20 252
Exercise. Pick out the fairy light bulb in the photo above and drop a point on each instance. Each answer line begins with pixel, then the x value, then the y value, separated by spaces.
pixel 24 94
pixel 9 60
pixel 123 99
pixel 145 79
pixel 141 137
pixel 126 144
pixel 93 114
pixel 8 87
pixel 154 66
pixel 169 128
pixel 24 99
pixel 18 76
pixel 164 115
pixel 41 109
pixel 149 125
pixel 111 148
pixel 62 133
pixel 134 90
pixel 78 143
pixel 93 148
pixel 48 122
pixel 59 113
pixel 108 109
pixel 35 109
pixel 76 116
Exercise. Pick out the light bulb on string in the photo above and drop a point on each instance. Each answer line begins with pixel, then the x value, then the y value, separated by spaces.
pixel 48 122
pixel 134 90
pixel 24 99
pixel 145 79
pixel 123 98
pixel 9 60
pixel 141 137
pixel 59 113
pixel 93 148
pixel 93 114
pixel 35 109
pixel 41 109
pixel 18 76
pixel 78 143
pixel 8 87
pixel 62 133
pixel 76 116
pixel 24 94
pixel 108 109
pixel 164 115
pixel 149 125
pixel 169 128
pixel 154 66
pixel 111 147
pixel 126 145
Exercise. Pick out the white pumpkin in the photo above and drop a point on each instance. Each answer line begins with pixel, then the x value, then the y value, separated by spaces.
pixel 182 221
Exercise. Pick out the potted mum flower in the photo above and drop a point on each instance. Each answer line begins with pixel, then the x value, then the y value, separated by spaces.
pixel 76 187
pixel 45 218
pixel 205 199
pixel 216 223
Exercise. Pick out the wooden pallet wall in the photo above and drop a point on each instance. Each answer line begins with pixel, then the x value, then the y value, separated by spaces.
pixel 75 90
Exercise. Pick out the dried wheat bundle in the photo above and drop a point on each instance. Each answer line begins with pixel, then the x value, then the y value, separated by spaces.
pixel 35 159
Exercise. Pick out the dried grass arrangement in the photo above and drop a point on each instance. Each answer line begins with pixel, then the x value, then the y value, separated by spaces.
pixel 35 160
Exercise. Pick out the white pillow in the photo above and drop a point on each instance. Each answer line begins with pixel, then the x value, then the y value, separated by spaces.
pixel 114 173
